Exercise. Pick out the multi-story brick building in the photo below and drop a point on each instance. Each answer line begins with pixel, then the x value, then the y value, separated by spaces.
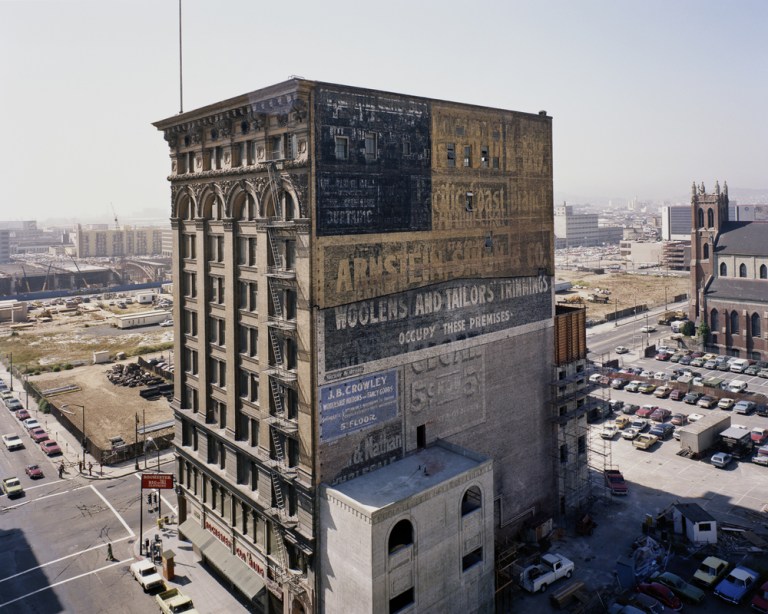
pixel 364 326
pixel 729 276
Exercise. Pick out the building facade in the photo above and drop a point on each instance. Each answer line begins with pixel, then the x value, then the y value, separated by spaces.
pixel 118 242
pixel 582 229
pixel 729 276
pixel 359 277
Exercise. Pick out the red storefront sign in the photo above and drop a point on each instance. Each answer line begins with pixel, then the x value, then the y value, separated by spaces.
pixel 157 480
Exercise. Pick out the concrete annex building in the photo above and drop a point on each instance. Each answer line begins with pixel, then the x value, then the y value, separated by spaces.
pixel 364 319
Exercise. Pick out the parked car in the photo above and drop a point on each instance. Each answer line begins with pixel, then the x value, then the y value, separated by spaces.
pixel 707 402
pixel 630 433
pixel 645 441
pixel 615 404
pixel 692 398
pixel 685 360
pixel 629 408
pixel 760 600
pixel 662 431
pixel 38 435
pixel 621 349
pixel 595 378
pixel 662 392
pixel 50 447
pixel 744 407
pixel 726 403
pixel 30 424
pixel 617 383
pixel 34 471
pixel 680 587
pixel 622 422
pixel 639 424
pixel 648 329
pixel 660 414
pixel 166 323
pixel 737 385
pixel 661 593
pixel 642 604
pixel 13 404
pixel 721 459
pixel 645 411
pixel 759 435
pixel 609 431
pixel 678 419
pixel 710 571
pixel 633 386
pixel 697 362
pixel 710 364
pixel 145 573
pixel 663 356
pixel 735 586
pixel 677 395
pixel 646 388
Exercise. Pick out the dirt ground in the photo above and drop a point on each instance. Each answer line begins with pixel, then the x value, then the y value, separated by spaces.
pixel 626 290
pixel 110 410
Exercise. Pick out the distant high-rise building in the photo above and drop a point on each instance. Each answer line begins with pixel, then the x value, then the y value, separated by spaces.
pixel 582 229
pixel 676 223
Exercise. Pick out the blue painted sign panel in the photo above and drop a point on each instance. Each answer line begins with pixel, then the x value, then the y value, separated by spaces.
pixel 356 404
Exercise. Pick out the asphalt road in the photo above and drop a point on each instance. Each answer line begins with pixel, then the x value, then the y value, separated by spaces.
pixel 53 549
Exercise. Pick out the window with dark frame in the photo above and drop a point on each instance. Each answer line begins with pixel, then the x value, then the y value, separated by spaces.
pixel 342 148
pixel 451 148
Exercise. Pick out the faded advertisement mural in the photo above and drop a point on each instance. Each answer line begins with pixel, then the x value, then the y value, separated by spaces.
pixel 447 391
pixel 373 169
pixel 397 324
pixel 357 404
pixel 376 449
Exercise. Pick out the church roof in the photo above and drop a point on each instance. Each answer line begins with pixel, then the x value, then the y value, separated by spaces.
pixel 738 289
pixel 743 239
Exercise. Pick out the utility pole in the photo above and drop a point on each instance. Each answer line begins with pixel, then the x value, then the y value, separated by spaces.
pixel 136 441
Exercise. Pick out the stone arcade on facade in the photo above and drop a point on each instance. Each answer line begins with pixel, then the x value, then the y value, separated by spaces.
pixel 363 282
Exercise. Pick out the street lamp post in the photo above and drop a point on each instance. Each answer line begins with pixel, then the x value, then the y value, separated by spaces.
pixel 85 438
pixel 10 356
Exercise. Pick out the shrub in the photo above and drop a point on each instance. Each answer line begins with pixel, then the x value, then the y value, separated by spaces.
pixel 44 406
pixel 56 368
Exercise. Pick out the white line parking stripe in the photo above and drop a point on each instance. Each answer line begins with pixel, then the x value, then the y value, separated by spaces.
pixel 63 558
pixel 50 586
pixel 114 511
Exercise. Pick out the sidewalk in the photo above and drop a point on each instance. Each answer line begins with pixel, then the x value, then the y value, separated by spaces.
pixel 207 592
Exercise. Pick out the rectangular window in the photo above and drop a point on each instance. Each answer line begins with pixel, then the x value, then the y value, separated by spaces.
pixel 251 251
pixel 563 453
pixel 496 162
pixel 276 144
pixel 582 443
pixel 468 156
pixel 484 156
pixel 217 290
pixel 189 322
pixel 190 361
pixel 473 558
pixel 342 148
pixel 371 146
pixel 190 285
pixel 451 154
pixel 406 148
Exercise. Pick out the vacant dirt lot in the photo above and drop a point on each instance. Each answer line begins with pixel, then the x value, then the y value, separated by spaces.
pixel 626 290
pixel 110 410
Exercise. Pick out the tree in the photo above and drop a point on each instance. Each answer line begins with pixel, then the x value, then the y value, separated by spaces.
pixel 704 331
pixel 688 329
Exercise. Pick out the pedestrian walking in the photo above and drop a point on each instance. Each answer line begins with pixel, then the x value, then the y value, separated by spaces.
pixel 90 468
pixel 61 469
pixel 110 556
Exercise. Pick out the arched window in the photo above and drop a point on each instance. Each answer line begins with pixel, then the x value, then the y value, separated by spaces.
pixel 700 220
pixel 723 270
pixel 471 501
pixel 755 325
pixel 706 251
pixel 734 319
pixel 763 272
pixel 401 536
pixel 714 320
pixel 742 270
pixel 710 218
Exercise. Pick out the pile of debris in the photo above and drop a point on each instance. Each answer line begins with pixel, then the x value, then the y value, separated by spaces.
pixel 132 375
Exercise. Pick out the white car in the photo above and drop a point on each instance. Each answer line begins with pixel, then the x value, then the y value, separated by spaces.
pixel 609 431
pixel 31 423
pixel 630 433
pixel 639 424
pixel 648 329
pixel 737 385
pixel 621 349
pixel 12 441
pixel 144 573
pixel 721 459
pixel 166 323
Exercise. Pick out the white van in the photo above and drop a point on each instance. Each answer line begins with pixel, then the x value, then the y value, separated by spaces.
pixel 739 365
pixel 736 385
pixel 677 325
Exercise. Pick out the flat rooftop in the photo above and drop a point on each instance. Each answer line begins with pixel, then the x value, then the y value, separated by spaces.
pixel 404 478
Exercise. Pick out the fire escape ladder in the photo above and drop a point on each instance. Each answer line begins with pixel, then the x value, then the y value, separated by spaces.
pixel 276 351
pixel 277 307
pixel 277 258
pixel 277 398
pixel 278 447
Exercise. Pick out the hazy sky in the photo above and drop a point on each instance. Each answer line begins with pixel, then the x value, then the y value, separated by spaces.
pixel 646 96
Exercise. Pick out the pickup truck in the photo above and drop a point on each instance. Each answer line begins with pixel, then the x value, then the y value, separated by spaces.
pixel 615 482
pixel 12 487
pixel 536 578
pixel 145 573
pixel 645 441
pixel 173 601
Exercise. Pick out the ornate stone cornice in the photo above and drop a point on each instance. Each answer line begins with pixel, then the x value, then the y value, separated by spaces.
pixel 234 172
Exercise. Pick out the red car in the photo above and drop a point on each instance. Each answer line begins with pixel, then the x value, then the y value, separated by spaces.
pixel 38 435
pixel 660 414
pixel 676 395
pixel 661 593
pixel 22 414
pixel 760 600
pixel 758 435
pixel 50 447
pixel 663 356
pixel 34 471
pixel 645 411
